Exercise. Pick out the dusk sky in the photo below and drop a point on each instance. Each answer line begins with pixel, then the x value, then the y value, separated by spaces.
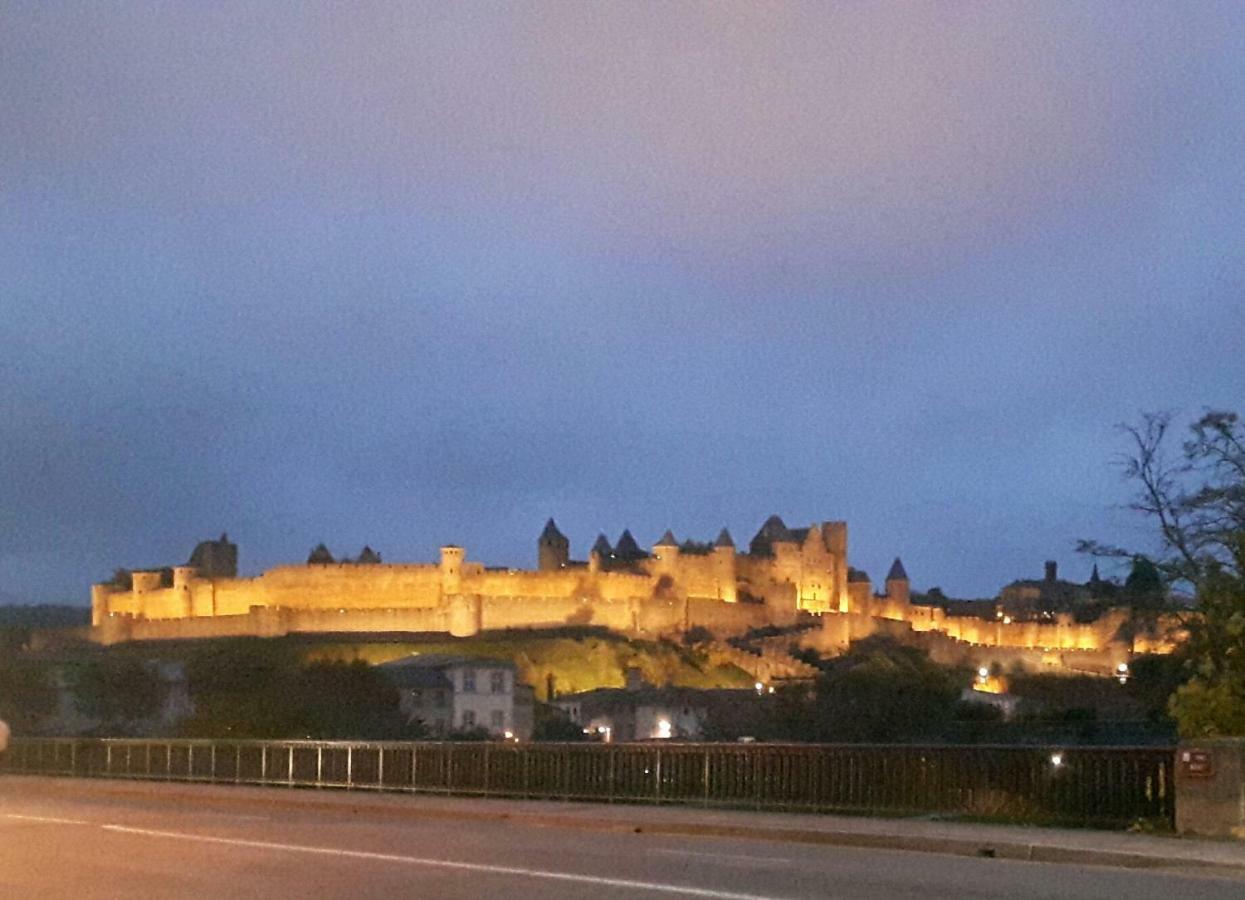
pixel 411 274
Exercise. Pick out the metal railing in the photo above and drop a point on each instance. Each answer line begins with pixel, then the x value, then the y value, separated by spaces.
pixel 1098 786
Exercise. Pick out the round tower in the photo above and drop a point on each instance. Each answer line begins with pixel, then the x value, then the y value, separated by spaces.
pixel 553 550
pixel 451 570
pixel 465 615
pixel 897 588
pixel 182 576
pixel 724 567
pixel 666 554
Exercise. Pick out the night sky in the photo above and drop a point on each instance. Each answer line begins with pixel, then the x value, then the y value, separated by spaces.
pixel 405 274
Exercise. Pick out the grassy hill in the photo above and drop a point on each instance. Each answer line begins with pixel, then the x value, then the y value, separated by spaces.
pixel 577 661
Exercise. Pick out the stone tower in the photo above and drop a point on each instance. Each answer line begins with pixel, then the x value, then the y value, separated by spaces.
pixel 666 554
pixel 897 588
pixel 553 550
pixel 724 567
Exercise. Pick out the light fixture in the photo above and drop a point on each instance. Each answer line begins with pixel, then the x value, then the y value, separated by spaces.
pixel 1056 760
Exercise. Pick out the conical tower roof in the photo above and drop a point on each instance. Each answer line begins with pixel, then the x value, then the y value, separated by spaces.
pixel 724 539
pixel 320 555
pixel 897 572
pixel 368 556
pixel 774 529
pixel 551 532
pixel 667 540
pixel 602 546
pixel 627 548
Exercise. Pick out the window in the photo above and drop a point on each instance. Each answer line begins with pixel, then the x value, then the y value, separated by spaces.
pixel 498 718
pixel 469 681
pixel 469 718
pixel 497 682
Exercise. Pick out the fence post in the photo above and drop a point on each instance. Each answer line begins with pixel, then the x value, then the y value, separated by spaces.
pixel 319 765
pixel 289 777
pixel 486 768
pixel 108 759
pixel 263 763
pixel 704 775
pixel 380 766
pixel 212 757
pixel 657 778
pixel 350 765
pixel 414 766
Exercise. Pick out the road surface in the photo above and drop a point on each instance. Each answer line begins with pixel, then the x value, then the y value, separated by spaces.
pixel 87 839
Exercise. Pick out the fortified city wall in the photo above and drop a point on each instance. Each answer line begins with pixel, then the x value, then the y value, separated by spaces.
pixel 784 575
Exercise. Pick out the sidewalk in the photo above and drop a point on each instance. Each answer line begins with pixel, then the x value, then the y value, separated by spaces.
pixel 1063 845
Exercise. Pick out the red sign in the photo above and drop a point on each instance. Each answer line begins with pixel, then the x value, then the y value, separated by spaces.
pixel 1197 763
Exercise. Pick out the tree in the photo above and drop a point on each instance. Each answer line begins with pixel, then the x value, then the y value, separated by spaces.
pixel 256 688
pixel 883 691
pixel 1196 499
pixel 119 692
pixel 1143 588
pixel 27 691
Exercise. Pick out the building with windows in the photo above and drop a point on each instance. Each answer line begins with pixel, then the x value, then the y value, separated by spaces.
pixel 456 693
pixel 641 712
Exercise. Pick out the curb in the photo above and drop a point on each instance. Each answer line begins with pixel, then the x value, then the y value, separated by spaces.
pixel 355 803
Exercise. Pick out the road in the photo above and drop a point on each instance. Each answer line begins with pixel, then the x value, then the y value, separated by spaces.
pixel 88 839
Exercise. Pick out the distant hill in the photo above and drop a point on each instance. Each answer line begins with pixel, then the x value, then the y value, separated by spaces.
pixel 44 616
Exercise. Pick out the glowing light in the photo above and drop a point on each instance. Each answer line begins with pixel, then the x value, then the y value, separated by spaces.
pixel 509 735
pixel 1007 620
pixel 983 672
pixel 1056 760
pixel 663 728
pixel 760 688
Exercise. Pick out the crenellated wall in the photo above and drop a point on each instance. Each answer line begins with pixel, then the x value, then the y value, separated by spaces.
pixel 785 576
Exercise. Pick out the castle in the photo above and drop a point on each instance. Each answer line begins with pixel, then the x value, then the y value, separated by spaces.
pixel 794 578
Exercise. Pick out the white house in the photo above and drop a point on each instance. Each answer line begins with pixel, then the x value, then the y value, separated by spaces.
pixel 457 693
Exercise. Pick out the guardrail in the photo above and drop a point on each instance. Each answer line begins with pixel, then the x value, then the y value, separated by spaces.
pixel 1105 787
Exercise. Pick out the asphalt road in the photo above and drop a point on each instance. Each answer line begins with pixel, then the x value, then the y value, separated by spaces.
pixel 93 841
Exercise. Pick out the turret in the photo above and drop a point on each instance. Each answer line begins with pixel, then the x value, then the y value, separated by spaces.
pixel 145 581
pixel 99 602
pixel 836 542
pixel 627 550
pixel 600 555
pixel 666 553
pixel 451 570
pixel 553 550
pixel 897 588
pixel 724 567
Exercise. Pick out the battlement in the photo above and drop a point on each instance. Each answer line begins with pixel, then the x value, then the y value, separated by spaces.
pixel 674 586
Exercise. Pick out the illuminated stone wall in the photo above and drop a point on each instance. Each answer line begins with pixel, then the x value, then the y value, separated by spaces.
pixel 667 593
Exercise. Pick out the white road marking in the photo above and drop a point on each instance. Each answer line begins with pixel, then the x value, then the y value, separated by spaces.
pixel 49 819
pixel 734 857
pixel 653 886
